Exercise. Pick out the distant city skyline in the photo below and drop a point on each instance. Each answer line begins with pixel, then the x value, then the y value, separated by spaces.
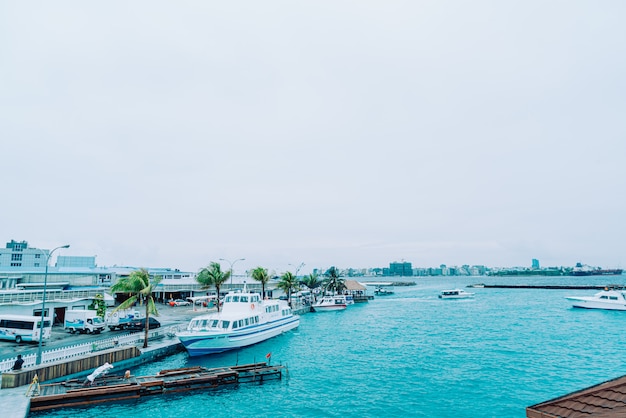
pixel 22 248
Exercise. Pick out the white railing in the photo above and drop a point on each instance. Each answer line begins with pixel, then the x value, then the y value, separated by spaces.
pixel 77 350
pixel 16 296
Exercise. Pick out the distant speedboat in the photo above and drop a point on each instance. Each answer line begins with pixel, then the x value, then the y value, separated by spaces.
pixel 477 285
pixel 245 319
pixel 613 300
pixel 330 303
pixel 455 294
pixel 383 290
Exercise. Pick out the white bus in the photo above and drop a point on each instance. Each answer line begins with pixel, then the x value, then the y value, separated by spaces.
pixel 20 328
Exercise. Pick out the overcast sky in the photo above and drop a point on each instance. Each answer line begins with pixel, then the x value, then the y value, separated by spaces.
pixel 346 133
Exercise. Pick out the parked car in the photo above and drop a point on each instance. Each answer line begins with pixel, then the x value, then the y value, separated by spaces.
pixel 179 302
pixel 140 324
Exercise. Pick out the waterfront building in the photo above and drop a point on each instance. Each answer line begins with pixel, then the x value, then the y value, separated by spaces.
pixel 72 282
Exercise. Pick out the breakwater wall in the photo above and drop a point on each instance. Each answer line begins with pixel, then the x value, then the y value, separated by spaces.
pixel 528 286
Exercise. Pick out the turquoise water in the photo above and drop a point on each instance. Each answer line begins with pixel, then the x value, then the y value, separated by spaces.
pixel 412 354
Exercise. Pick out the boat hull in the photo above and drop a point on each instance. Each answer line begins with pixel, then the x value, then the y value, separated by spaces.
pixel 204 342
pixel 593 304
pixel 329 308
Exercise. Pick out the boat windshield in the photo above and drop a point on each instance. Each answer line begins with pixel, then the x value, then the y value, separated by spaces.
pixel 204 324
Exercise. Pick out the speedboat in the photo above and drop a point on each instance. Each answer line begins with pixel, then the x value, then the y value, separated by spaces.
pixel 383 290
pixel 330 303
pixel 455 294
pixel 606 299
pixel 245 319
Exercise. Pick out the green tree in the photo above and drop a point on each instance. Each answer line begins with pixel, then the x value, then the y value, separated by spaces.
pixel 140 287
pixel 98 305
pixel 213 276
pixel 288 283
pixel 312 281
pixel 333 281
pixel 260 275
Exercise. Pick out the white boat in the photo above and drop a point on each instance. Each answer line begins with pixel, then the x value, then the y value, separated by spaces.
pixel 330 303
pixel 383 290
pixel 245 319
pixel 606 299
pixel 455 294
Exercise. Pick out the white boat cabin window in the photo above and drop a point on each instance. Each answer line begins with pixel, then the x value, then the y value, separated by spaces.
pixel 225 324
pixel 613 297
pixel 243 298
pixel 271 308
pixel 603 297
pixel 245 322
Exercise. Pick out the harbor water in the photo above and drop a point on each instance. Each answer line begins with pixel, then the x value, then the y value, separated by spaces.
pixel 413 354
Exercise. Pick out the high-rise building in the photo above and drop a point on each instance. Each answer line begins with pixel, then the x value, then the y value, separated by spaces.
pixel 400 269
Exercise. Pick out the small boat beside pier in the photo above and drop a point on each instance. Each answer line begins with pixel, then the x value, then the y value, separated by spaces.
pixel 74 392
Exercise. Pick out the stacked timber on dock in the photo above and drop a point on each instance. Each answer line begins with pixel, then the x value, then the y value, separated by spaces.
pixel 74 392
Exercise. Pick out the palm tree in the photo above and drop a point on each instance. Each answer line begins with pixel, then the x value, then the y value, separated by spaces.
pixel 333 281
pixel 260 275
pixel 312 282
pixel 287 283
pixel 213 276
pixel 140 287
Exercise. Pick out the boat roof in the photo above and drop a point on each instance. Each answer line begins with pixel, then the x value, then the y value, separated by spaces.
pixel 354 285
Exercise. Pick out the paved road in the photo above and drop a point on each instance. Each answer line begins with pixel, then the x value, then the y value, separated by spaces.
pixel 168 316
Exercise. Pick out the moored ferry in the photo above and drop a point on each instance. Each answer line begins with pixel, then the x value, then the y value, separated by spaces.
pixel 245 319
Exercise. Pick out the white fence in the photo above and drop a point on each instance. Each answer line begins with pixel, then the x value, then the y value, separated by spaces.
pixel 77 350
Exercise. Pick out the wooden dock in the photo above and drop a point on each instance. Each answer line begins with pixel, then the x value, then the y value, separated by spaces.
pixel 74 392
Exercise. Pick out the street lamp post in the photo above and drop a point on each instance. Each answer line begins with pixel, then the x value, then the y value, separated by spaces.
pixel 231 268
pixel 297 268
pixel 43 302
